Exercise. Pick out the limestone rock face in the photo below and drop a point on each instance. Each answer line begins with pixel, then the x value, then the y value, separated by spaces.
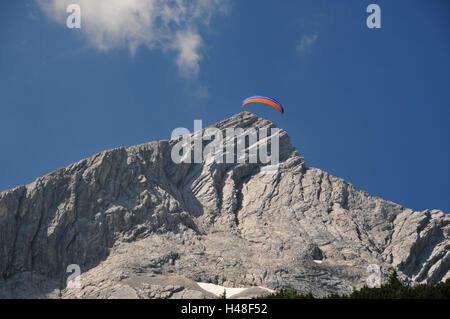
pixel 130 214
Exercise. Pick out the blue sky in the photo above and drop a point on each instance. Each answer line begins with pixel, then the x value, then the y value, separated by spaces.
pixel 370 106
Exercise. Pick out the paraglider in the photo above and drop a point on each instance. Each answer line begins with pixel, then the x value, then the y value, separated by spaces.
pixel 264 99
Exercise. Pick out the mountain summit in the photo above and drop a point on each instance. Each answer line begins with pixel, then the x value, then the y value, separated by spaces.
pixel 138 225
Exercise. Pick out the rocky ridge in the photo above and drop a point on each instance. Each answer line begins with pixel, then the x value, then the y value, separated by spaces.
pixel 140 226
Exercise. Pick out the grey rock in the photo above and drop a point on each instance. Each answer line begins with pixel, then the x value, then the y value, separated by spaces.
pixel 130 213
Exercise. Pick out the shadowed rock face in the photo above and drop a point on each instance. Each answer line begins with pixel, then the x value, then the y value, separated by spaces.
pixel 129 213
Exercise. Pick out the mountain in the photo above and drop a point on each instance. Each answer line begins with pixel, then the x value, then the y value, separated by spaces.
pixel 141 226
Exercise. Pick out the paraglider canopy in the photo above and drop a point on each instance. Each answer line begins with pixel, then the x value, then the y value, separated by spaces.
pixel 264 99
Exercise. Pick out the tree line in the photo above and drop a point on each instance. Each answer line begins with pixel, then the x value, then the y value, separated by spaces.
pixel 392 289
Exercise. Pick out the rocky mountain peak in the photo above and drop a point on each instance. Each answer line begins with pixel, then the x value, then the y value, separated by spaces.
pixel 244 119
pixel 138 224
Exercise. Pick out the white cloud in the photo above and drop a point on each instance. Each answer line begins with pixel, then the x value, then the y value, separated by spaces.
pixel 168 25
pixel 307 42
pixel 188 44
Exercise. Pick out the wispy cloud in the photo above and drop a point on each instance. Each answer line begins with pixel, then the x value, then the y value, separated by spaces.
pixel 188 44
pixel 168 25
pixel 307 41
